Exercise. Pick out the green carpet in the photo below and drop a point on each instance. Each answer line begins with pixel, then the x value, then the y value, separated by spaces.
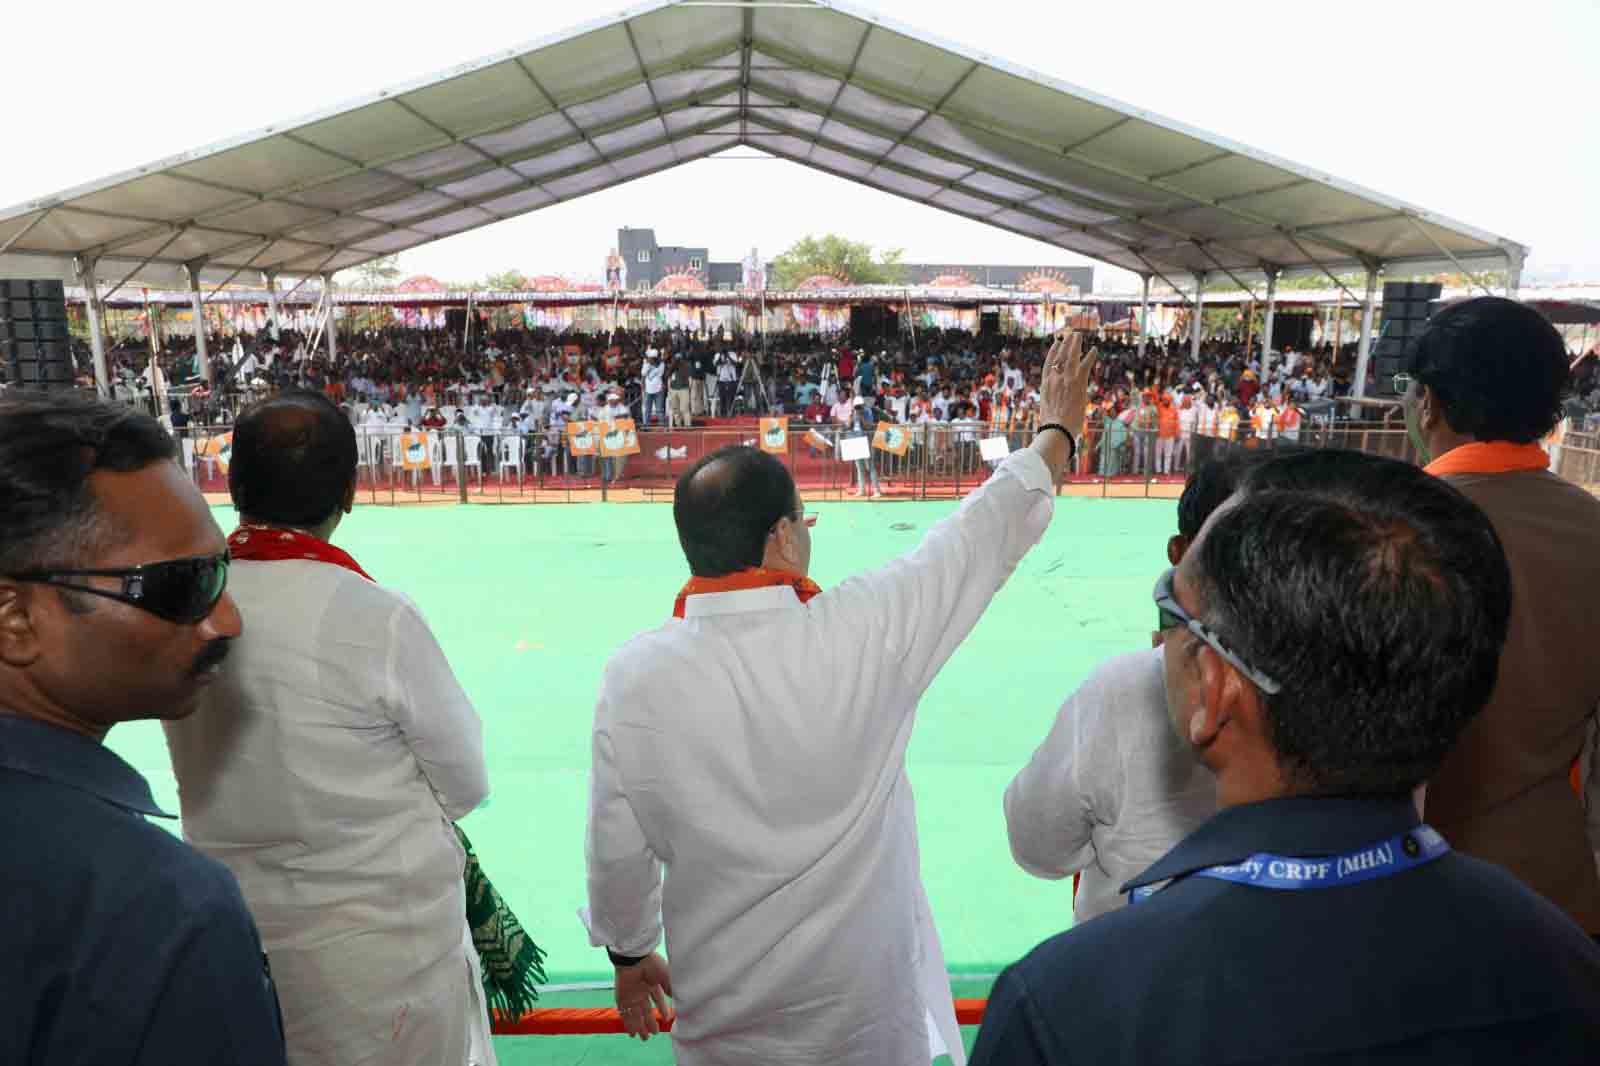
pixel 528 601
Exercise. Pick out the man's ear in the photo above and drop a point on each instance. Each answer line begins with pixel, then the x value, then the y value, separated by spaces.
pixel 19 640
pixel 1216 697
pixel 1177 544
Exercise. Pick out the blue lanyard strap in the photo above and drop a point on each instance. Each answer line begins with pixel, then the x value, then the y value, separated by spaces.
pixel 1399 853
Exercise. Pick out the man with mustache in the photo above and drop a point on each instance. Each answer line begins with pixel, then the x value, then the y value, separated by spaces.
pixel 120 944
pixel 334 753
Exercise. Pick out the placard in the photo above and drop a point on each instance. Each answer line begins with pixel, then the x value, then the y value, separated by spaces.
pixel 219 450
pixel 582 438
pixel 775 435
pixel 994 449
pixel 894 439
pixel 854 449
pixel 414 451
pixel 620 438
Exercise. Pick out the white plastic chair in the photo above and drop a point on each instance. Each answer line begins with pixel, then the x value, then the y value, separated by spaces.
pixel 451 450
pixel 511 456
pixel 435 458
pixel 474 458
pixel 188 454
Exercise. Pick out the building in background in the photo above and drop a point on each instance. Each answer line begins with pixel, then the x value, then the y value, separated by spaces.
pixel 648 265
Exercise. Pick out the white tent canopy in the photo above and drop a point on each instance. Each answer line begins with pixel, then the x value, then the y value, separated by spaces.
pixel 815 81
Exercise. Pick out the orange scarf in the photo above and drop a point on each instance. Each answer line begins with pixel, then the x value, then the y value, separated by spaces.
pixel 757 577
pixel 1489 457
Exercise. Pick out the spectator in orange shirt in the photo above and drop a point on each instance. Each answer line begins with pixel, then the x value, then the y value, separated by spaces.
pixel 1166 433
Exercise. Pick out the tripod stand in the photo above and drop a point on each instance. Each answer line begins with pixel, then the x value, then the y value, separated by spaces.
pixel 752 388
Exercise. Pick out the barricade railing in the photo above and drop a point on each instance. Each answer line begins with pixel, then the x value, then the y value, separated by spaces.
pixel 928 461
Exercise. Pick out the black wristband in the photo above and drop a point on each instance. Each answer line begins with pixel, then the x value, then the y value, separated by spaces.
pixel 1072 443
pixel 625 960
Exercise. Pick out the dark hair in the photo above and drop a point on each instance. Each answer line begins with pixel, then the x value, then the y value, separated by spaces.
pixel 1378 596
pixel 1211 482
pixel 1497 366
pixel 294 458
pixel 726 504
pixel 50 442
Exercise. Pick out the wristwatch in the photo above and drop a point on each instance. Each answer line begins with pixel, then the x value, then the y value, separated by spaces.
pixel 625 960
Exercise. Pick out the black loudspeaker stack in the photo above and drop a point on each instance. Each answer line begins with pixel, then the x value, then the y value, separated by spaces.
pixel 989 324
pixel 1406 307
pixel 34 341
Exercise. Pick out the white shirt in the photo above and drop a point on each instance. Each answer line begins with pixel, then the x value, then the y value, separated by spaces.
pixel 324 767
pixel 755 749
pixel 1111 789
pixel 654 373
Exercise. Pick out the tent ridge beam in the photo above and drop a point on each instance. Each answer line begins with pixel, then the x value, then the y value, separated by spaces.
pixel 644 75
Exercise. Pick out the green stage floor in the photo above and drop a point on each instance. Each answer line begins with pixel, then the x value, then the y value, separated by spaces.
pixel 529 600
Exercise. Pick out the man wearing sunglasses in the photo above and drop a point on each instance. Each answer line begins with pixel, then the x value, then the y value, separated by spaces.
pixel 335 752
pixel 1333 629
pixel 1485 384
pixel 753 750
pixel 120 943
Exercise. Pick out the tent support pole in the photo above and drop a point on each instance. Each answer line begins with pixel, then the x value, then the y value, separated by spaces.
pixel 1197 321
pixel 269 278
pixel 1144 314
pixel 202 357
pixel 330 330
pixel 97 337
pixel 1364 351
pixel 1266 324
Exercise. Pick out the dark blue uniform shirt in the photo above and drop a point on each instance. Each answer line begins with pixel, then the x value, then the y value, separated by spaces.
pixel 1450 962
pixel 119 943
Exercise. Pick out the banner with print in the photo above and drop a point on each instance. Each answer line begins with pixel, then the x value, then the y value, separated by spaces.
pixel 891 438
pixel 775 435
pixel 619 438
pixel 583 437
pixel 414 451
pixel 219 450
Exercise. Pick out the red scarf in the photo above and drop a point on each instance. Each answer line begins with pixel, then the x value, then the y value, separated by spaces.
pixel 757 577
pixel 1489 457
pixel 266 544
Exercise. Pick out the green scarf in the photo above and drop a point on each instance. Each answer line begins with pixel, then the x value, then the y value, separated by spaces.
pixel 512 964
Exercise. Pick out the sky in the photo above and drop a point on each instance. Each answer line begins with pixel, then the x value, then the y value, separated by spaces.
pixel 1481 112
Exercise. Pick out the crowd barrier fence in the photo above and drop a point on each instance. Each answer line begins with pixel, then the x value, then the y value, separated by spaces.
pixel 934 461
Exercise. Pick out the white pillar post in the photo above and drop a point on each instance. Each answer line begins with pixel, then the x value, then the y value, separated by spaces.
pixel 1197 321
pixel 1266 325
pixel 269 278
pixel 330 330
pixel 1513 276
pixel 1144 314
pixel 1364 351
pixel 201 356
pixel 97 336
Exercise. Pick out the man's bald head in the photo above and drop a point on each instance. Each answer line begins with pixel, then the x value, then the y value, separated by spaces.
pixel 294 460
pixel 726 504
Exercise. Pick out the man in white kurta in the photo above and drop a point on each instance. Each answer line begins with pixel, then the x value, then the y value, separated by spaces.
pixel 325 769
pixel 754 750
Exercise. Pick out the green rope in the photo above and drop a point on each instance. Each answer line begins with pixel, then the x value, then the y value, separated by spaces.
pixel 512 964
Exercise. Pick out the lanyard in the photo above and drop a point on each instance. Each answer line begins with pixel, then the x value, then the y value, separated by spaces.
pixel 1395 855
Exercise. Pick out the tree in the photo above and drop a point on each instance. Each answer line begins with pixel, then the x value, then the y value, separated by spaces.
pixel 835 256
pixel 506 281
pixel 379 273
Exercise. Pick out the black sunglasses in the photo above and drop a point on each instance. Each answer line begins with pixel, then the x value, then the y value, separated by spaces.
pixel 184 591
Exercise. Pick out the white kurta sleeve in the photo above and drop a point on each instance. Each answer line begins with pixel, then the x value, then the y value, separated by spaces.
pixel 624 874
pixel 924 604
pixel 434 714
pixel 1049 810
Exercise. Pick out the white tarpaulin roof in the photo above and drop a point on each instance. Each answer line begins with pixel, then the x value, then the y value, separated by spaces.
pixel 823 84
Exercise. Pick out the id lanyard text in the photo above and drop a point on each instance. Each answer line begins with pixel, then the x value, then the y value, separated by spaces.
pixel 1399 853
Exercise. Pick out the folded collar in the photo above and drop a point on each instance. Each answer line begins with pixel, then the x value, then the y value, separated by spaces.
pixel 74 760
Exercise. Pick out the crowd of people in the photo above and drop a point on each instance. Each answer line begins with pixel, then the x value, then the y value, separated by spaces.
pixel 1152 412
pixel 1344 811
